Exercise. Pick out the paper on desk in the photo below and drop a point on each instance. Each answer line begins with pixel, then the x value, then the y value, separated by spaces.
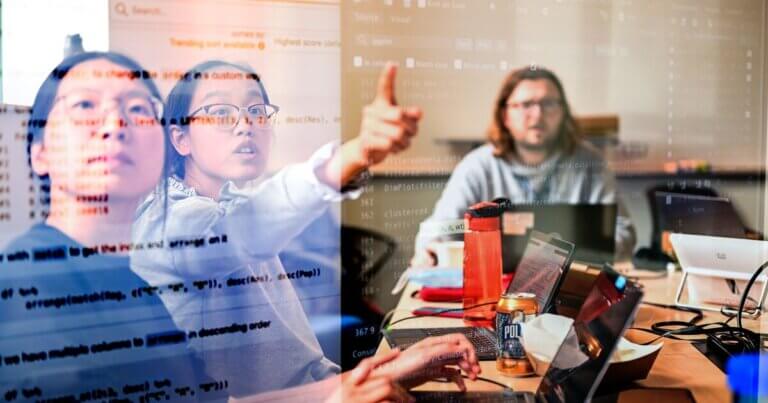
pixel 628 351
pixel 430 277
pixel 543 336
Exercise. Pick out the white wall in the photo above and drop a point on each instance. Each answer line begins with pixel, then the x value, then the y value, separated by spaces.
pixel 34 33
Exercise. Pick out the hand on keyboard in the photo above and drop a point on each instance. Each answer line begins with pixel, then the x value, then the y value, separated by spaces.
pixel 432 358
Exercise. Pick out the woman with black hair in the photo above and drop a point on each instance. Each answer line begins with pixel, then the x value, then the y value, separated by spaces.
pixel 77 321
pixel 220 123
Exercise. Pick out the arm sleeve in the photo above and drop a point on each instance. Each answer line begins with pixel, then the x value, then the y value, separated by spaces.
pixel 252 223
pixel 464 188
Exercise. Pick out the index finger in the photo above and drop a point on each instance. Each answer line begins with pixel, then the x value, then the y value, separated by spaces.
pixel 385 90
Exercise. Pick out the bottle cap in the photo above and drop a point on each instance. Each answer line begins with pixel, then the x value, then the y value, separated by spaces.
pixel 483 216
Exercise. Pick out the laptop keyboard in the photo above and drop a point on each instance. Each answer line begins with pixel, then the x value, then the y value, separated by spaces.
pixel 483 339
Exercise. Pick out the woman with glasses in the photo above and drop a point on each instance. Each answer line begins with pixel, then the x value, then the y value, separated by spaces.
pixel 534 155
pixel 220 121
pixel 77 322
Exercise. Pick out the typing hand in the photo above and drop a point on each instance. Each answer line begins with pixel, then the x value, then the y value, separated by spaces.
pixel 365 385
pixel 433 358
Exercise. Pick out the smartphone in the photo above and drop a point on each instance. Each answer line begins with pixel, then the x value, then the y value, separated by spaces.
pixel 438 311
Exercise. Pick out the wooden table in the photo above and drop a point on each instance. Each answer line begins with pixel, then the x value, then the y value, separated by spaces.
pixel 678 366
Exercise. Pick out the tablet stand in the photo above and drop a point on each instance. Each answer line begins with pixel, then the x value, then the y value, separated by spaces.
pixel 728 310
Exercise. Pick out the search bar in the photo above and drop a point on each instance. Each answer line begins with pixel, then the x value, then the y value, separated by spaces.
pixel 200 13
pixel 121 8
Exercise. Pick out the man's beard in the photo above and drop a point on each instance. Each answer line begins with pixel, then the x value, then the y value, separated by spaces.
pixel 547 146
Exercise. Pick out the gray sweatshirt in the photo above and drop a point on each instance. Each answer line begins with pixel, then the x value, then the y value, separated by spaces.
pixel 579 178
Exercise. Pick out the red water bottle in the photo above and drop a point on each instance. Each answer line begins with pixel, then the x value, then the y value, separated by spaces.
pixel 482 263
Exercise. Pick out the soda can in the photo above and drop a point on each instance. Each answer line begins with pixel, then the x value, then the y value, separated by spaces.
pixel 511 312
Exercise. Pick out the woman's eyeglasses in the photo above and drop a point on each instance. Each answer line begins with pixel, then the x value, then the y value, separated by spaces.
pixel 88 109
pixel 227 116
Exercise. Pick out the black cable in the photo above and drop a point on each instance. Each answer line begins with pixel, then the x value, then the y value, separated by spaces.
pixel 663 330
pixel 479 378
pixel 658 336
pixel 699 313
pixel 660 328
pixel 746 293
pixel 673 328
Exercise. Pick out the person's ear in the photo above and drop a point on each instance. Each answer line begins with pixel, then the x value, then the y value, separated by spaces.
pixel 180 140
pixel 39 158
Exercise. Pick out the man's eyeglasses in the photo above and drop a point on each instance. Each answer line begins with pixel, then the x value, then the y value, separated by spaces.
pixel 87 109
pixel 227 116
pixel 545 105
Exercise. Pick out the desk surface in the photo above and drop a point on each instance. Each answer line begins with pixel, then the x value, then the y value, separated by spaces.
pixel 678 366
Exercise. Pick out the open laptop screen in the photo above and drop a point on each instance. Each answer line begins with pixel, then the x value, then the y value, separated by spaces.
pixel 592 227
pixel 702 215
pixel 580 363
pixel 541 268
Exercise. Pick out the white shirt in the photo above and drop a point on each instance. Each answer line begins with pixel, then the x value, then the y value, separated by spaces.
pixel 237 292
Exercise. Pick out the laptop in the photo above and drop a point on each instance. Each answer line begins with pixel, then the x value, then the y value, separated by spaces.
pixel 578 367
pixel 544 264
pixel 700 215
pixel 716 270
pixel 592 227
pixel 541 269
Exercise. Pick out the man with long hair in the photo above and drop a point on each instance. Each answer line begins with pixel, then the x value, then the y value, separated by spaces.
pixel 534 155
